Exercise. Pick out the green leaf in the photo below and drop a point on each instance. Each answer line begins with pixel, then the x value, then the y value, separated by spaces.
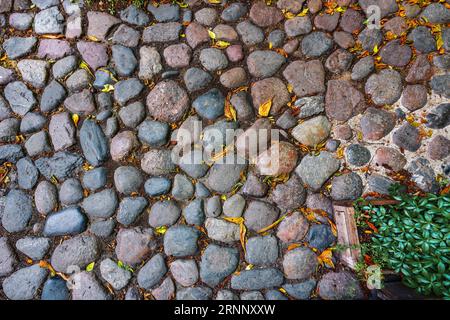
pixel 90 266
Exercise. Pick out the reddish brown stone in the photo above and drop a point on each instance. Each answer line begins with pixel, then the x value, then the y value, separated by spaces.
pixel 414 97
pixel 439 148
pixel 342 132
pixel 196 34
pixel 306 78
pixel 377 123
pixel 343 101
pixel 280 158
pixel 270 88
pixel 265 16
pixel 389 158
pixel 420 70
pixel 293 228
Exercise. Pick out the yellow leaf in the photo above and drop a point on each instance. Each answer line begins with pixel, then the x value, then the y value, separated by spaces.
pixel 182 4
pixel 293 246
pixel 236 220
pixel 290 88
pixel 303 13
pixel 108 87
pixel 243 235
pixel 220 44
pixel 215 1
pixel 212 35
pixel 223 197
pixel 270 45
pixel 375 49
pixel 249 267
pixel 75 119
pixel 264 109
pixel 272 225
pixel 333 227
pixel 85 66
pixel 87 166
pixel 90 267
pixel 340 9
pixel 92 38
pixel 54 180
pixel 230 111
pixel 161 230
pixel 439 41
pixel 283 291
pixel 326 258
pixel 289 15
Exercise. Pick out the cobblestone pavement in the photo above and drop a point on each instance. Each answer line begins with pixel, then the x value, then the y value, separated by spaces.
pixel 92 100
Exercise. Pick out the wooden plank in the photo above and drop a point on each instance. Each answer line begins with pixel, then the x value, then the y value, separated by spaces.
pixel 347 234
pixel 398 291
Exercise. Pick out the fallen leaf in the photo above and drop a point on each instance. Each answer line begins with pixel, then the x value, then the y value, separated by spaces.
pixel 212 35
pixel 161 230
pixel 90 267
pixel 230 111
pixel 264 109
pixel 326 258
pixel 293 246
pixel 272 225
pixel 220 44
pixel 108 88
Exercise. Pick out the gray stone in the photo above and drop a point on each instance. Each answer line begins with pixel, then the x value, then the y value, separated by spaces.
pixel 264 63
pixel 52 96
pixel 49 21
pixel 298 26
pixel 348 186
pixel 162 32
pixel 316 44
pixel 301 290
pixel 129 209
pixel 164 213
pixel 134 15
pixel 93 143
pixel 45 197
pixel 95 179
pixel 257 279
pixel 35 248
pixel 127 90
pixel 213 59
pixel 20 21
pixel 6 75
pixel 261 250
pixel 423 39
pixel 164 12
pixel 210 105
pixel 37 144
pixel 19 97
pixel 123 60
pixel 357 154
pixel 259 215
pixel 127 179
pixel 299 263
pixel 320 236
pixel 64 66
pixel 223 176
pixel 102 228
pixel 407 137
pixel 440 85
pixel 70 221
pixel 363 68
pixel 339 286
pixel 81 103
pixel 192 163
pixel 150 63
pixel 196 79
pixel 157 162
pixel 289 195
pixel 194 293
pixel 384 87
pixel 62 131
pixel 423 175
pixel 77 251
pixel 70 192
pixel 234 206
pixel 183 188
pixel 117 277
pixel 133 114
pixel 27 173
pixel 7 258
pixel 193 213
pixel 32 122
pixel 436 13
pixel 222 230
pixel 102 204
pixel 181 241
pixel 185 272
pixel 11 153
pixel 17 47
pixel 55 289
pixel 86 287
pixel 126 36
pixel 379 184
pixel 234 12
pixel 17 212
pixel 249 33
pixel 157 186
pixel 24 283
pixel 217 263
pixel 439 117
pixel 314 171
